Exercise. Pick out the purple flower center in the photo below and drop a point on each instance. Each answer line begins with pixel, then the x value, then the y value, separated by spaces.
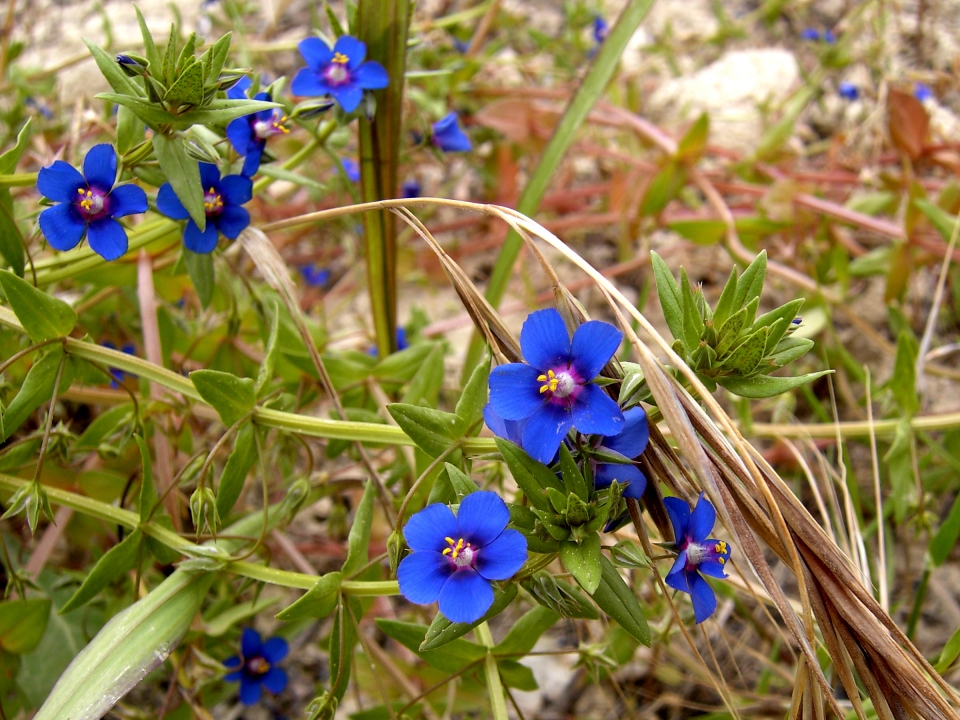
pixel 91 203
pixel 337 73
pixel 264 129
pixel 212 202
pixel 461 554
pixel 561 384
pixel 698 552
pixel 257 666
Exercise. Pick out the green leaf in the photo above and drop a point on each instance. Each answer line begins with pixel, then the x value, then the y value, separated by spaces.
pixel 152 115
pixel 343 638
pixel 117 560
pixel 618 601
pixel 573 481
pixel 221 624
pixel 170 56
pixel 218 56
pixel 42 316
pixel 36 390
pixel 105 425
pixel 432 430
pixel 532 477
pixel 663 188
pixel 221 112
pixel 899 460
pixel 358 541
pixel 949 653
pixel 183 174
pixel 22 624
pixel 694 142
pixel 517 675
pixel 265 373
pixel 11 241
pixel 943 221
pixel 276 172
pixel 424 387
pixel 202 274
pixel 148 490
pixel 235 472
pixel 903 382
pixel 582 560
pixel 525 632
pixel 9 159
pixel 452 657
pixel 946 537
pixel 790 349
pixel 745 358
pixel 470 405
pixel 318 602
pixel 111 71
pixel 462 483
pixel 693 325
pixel 669 292
pixel 750 284
pixel 230 396
pixel 764 386
pixel 129 129
pixel 561 597
pixel 134 642
pixel 188 89
pixel 701 232
pixel 777 135
pixel 150 47
pixel 725 305
pixel 442 631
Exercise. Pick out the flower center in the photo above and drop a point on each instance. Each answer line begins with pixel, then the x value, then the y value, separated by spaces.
pixel 90 203
pixel 257 666
pixel 212 202
pixel 460 553
pixel 336 73
pixel 697 553
pixel 264 129
pixel 558 385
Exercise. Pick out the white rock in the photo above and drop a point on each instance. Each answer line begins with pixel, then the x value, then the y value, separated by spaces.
pixel 730 90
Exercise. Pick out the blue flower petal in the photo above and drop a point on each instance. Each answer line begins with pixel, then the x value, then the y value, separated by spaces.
pixel 712 566
pixel 465 597
pixel 100 167
pixel 107 238
pixel 482 517
pixel 62 226
pixel 169 204
pixel 236 189
pixel 239 133
pixel 60 182
pixel 250 643
pixel 231 662
pixel 239 91
pixel 630 475
pixel 127 200
pixel 234 676
pixel 422 576
pixel 679 513
pixel 275 680
pixel 371 76
pixel 704 598
pixel 545 341
pixel 633 439
pixel 209 176
pixel 349 96
pixel 316 53
pixel 274 650
pixel 501 559
pixel 594 343
pixel 426 530
pixel 544 432
pixel 251 163
pixel 232 220
pixel 702 520
pixel 307 83
pixel 250 691
pixel 200 242
pixel 448 136
pixel 515 391
pixel 595 412
pixel 353 49
pixel 677 577
pixel 511 430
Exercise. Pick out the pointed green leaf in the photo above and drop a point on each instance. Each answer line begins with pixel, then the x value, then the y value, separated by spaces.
pixel 318 602
pixel 470 405
pixel 582 560
pixel 764 386
pixel 525 632
pixel 442 631
pixel 670 298
pixel 694 142
pixel 750 283
pixel 220 112
pixel 218 56
pixel 790 349
pixel 11 240
pixel 358 541
pixel 188 89
pixel 745 358
pixel 36 390
pixel 42 316
pixel 725 305
pixel 618 601
pixel 432 430
pixel 153 55
pixel 202 274
pixel 152 115
pixel 452 657
pixel 230 396
pixel 424 387
pixel 265 373
pixel 235 472
pixel 117 560
pixel 148 490
pixel 532 477
pixel 22 624
pixel 183 174
pixel 462 483
pixel 903 382
pixel 111 71
pixel 573 480
pixel 9 159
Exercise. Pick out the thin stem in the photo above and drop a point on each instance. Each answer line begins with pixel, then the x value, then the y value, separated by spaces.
pixel 498 703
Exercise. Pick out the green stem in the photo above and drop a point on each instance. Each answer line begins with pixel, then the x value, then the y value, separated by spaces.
pixel 498 702
pixel 18 180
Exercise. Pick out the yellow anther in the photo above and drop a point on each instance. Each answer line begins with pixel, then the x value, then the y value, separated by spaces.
pixel 541 378
pixel 340 59
pixel 455 547
pixel 550 381
pixel 87 202
pixel 723 560
pixel 279 125
pixel 721 547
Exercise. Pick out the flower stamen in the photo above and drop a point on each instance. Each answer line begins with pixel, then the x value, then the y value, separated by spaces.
pixel 550 382
pixel 258 665
pixel 90 202
pixel 212 202
pixel 340 59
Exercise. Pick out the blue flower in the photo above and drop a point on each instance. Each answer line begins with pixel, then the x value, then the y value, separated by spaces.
pixel 88 203
pixel 239 89
pixel 698 553
pixel 256 666
pixel 222 200
pixel 828 37
pixel 630 443
pixel 921 92
pixel 249 134
pixel 811 34
pixel 314 275
pixel 600 29
pixel 456 557
pixel 351 169
pixel 448 136
pixel 848 91
pixel 118 374
pixel 411 189
pixel 340 71
pixel 553 391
